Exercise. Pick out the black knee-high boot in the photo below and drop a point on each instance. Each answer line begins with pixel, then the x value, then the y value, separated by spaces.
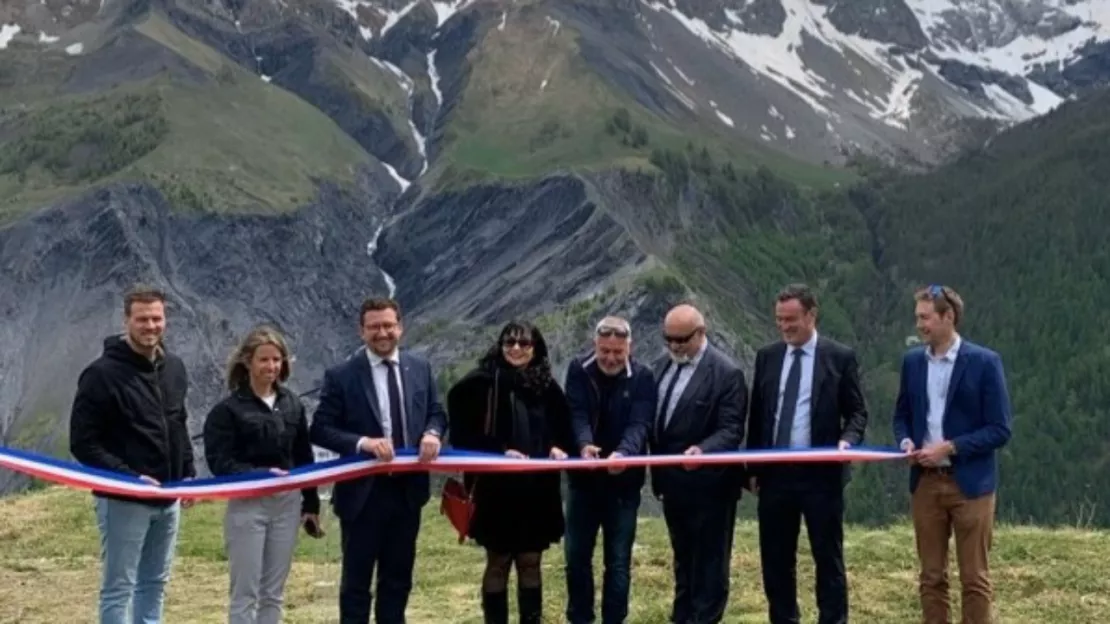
pixel 531 604
pixel 495 607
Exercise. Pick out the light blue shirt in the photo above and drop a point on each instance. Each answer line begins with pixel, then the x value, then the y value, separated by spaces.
pixel 683 379
pixel 800 433
pixel 939 378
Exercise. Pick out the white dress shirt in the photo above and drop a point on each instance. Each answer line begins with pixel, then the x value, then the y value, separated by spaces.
pixel 683 380
pixel 379 370
pixel 939 378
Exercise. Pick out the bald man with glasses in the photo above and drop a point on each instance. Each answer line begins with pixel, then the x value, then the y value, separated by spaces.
pixel 612 399
pixel 703 400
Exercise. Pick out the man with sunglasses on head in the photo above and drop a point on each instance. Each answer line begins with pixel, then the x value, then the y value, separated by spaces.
pixel 701 409
pixel 611 399
pixel 951 417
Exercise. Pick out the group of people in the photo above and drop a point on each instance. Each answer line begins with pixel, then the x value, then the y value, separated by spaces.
pixel 952 414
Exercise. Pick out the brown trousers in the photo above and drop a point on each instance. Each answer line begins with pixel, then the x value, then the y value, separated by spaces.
pixel 940 509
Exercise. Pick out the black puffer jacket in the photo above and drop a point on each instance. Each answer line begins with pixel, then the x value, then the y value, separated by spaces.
pixel 243 434
pixel 129 416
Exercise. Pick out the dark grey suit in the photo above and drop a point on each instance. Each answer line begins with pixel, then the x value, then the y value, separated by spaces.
pixel 379 516
pixel 699 505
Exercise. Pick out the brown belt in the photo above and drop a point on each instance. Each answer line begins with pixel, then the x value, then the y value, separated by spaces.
pixel 937 471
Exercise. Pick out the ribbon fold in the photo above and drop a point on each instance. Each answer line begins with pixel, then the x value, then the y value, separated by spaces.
pixel 261 483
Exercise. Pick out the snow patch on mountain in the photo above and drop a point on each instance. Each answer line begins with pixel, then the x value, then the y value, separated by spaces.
pixel 7 33
pixel 987 50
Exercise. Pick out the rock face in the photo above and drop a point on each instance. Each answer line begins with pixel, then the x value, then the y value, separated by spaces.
pixel 306 273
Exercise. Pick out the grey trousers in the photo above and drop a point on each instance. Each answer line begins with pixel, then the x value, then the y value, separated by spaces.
pixel 260 535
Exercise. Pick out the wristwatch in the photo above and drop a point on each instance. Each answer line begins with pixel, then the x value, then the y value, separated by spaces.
pixel 432 432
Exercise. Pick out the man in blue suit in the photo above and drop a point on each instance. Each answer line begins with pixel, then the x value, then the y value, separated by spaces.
pixel 952 415
pixel 377 402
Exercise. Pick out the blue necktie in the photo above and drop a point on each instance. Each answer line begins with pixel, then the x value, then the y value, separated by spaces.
pixel 395 406
pixel 789 401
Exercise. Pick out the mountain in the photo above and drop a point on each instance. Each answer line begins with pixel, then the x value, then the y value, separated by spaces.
pixel 557 160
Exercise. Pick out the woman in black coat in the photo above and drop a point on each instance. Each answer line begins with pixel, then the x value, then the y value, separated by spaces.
pixel 512 405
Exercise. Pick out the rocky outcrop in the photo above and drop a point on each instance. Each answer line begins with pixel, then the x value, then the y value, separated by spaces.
pixel 889 21
pixel 305 272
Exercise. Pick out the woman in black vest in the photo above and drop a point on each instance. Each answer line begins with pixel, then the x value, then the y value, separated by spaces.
pixel 510 404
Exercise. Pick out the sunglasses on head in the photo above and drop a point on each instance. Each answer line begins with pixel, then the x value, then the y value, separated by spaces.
pixel 607 332
pixel 523 343
pixel 938 292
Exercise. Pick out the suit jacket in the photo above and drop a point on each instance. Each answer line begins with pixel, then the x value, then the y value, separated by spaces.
pixel 348 410
pixel 976 415
pixel 709 414
pixel 837 407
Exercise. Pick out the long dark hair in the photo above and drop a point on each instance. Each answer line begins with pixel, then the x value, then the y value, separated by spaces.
pixel 537 374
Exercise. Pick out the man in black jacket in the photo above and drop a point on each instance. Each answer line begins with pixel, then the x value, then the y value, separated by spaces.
pixel 611 400
pixel 805 393
pixel 129 417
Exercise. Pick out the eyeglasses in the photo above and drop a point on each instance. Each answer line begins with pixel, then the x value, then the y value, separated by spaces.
pixel 605 332
pixel 523 343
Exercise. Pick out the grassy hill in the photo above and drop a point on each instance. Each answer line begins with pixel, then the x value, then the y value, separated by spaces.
pixel 49 571
pixel 226 142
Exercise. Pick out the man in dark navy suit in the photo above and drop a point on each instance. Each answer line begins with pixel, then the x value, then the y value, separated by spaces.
pixel 375 403
pixel 805 394
pixel 951 417
pixel 702 406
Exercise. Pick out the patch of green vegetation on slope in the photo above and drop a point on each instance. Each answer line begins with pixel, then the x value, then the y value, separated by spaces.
pixel 234 143
pixel 74 143
pixel 532 106
pixel 1018 229
pixel 86 141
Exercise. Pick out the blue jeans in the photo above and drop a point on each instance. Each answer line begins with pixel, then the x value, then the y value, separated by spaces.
pixel 137 545
pixel 589 509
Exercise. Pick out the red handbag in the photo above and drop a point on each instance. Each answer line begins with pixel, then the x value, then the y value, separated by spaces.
pixel 458 505
pixel 456 502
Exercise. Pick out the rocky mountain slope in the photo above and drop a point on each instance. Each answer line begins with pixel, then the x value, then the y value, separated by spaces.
pixel 278 161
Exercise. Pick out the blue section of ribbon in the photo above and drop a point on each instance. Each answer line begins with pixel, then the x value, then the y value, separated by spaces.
pixel 342 461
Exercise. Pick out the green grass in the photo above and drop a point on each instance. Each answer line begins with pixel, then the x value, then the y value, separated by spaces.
pixel 532 106
pixel 49 571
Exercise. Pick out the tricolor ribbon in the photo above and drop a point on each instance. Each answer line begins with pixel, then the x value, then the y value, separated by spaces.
pixel 262 483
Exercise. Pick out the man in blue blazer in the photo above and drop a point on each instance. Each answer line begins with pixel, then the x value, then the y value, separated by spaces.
pixel 377 402
pixel 952 415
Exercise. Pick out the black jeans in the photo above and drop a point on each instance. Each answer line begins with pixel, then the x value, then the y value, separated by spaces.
pixel 590 509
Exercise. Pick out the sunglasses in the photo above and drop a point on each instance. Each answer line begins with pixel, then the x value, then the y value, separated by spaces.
pixel 939 292
pixel 607 332
pixel 523 343
pixel 681 339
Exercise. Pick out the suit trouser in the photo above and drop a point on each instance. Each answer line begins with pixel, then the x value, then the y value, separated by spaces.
pixel 787 495
pixel 382 535
pixel 260 535
pixel 939 510
pixel 701 532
